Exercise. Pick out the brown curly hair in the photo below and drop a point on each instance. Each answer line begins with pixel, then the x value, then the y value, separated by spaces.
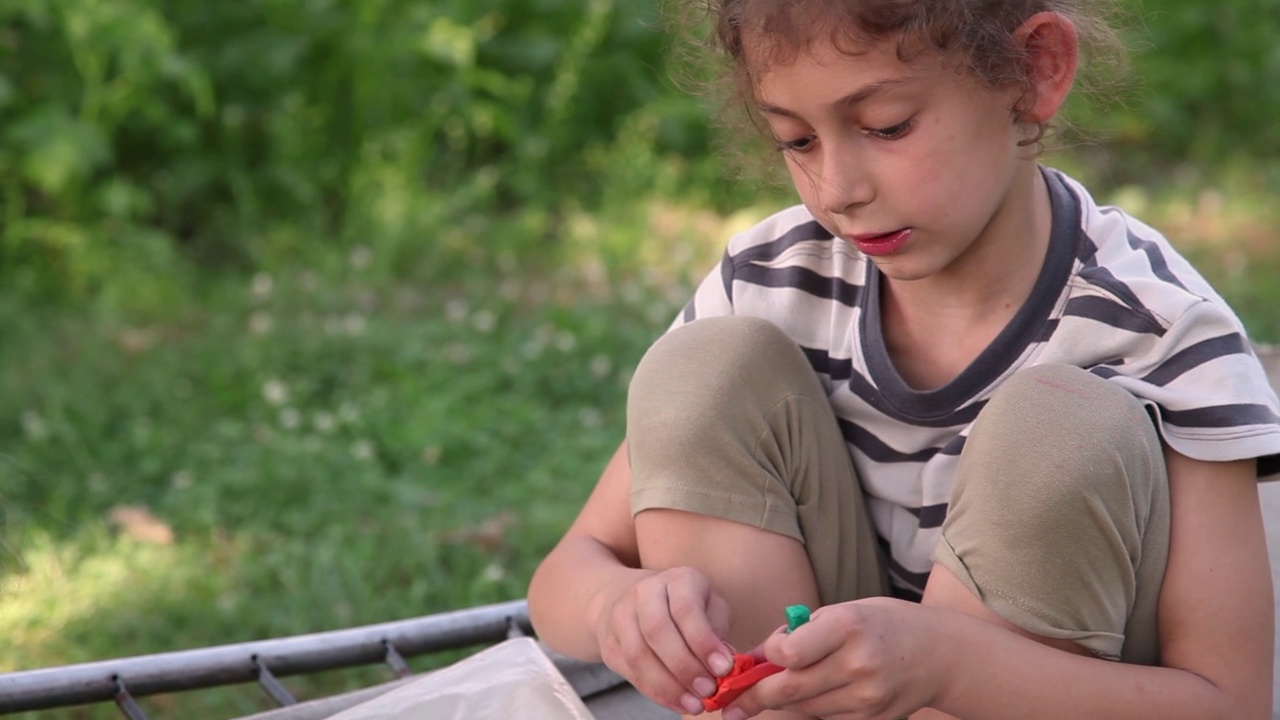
pixel 979 31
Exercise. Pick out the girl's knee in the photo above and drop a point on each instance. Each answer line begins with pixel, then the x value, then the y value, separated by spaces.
pixel 716 351
pixel 1055 436
pixel 715 369
pixel 1059 517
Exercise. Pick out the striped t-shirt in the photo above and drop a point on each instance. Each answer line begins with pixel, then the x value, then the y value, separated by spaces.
pixel 1113 297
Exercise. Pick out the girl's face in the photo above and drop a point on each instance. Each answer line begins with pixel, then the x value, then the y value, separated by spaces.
pixel 916 164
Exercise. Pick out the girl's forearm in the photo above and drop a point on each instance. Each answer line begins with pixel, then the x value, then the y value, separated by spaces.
pixel 563 589
pixel 991 673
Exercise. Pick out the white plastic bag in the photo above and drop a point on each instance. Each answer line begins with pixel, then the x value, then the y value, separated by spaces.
pixel 513 679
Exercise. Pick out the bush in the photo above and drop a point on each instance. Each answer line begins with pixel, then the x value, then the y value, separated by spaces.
pixel 1202 84
pixel 145 137
pixel 239 133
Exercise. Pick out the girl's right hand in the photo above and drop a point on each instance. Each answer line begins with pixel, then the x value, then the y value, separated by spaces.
pixel 662 632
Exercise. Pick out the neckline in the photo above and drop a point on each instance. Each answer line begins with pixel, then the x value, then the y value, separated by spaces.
pixel 1025 327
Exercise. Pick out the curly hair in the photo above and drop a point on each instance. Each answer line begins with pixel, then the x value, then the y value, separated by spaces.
pixel 980 32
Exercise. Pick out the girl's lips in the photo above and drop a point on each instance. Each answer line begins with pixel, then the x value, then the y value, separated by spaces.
pixel 882 243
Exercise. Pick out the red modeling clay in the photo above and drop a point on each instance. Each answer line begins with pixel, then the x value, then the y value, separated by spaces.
pixel 745 673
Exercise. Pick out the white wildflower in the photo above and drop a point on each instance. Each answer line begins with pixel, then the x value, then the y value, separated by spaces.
pixel 362 450
pixel 484 321
pixel 323 422
pixel 181 480
pixel 354 324
pixel 494 572
pixel 260 322
pixel 565 341
pixel 431 454
pixel 458 353
pixel 262 285
pixel 600 367
pixel 361 257
pixel 591 418
pixel 275 392
pixel 457 310
pixel 348 412
pixel 290 418
pixel 34 426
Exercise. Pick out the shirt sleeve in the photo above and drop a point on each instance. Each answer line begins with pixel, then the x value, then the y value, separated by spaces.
pixel 714 296
pixel 1207 390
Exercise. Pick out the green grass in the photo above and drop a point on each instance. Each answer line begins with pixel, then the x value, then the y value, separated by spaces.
pixel 325 450
pixel 348 442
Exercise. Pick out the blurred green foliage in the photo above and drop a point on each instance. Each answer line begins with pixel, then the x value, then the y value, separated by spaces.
pixel 235 134
pixel 141 138
pixel 1207 77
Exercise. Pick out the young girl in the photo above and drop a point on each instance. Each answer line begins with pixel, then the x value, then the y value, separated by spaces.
pixel 1004 437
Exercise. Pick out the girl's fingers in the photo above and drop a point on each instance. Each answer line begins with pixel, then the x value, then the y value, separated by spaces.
pixel 665 639
pixel 826 697
pixel 825 634
pixel 696 613
pixel 640 665
pixel 801 691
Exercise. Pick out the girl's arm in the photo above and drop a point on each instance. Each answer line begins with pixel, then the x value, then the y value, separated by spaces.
pixel 590 599
pixel 598 549
pixel 882 658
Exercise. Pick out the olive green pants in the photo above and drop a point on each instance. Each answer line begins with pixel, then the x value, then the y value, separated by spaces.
pixel 1058 522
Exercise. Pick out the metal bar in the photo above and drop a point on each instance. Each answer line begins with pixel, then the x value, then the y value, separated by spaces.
pixel 126 702
pixel 396 661
pixel 516 629
pixel 230 664
pixel 278 692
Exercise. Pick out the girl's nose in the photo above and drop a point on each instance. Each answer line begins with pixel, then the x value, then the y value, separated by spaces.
pixel 843 185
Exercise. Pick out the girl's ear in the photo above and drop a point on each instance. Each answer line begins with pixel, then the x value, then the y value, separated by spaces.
pixel 1052 53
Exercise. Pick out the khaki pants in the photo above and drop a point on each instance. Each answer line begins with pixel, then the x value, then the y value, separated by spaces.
pixel 1058 522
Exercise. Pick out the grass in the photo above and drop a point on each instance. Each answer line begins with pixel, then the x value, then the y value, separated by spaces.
pixel 306 451
pixel 336 444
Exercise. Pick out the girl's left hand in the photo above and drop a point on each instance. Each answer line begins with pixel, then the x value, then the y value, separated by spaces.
pixel 869 659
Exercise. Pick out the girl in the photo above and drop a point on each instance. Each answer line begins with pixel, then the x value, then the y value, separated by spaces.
pixel 1006 438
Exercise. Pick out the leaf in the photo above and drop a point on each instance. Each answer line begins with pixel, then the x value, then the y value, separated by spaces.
pixel 58 150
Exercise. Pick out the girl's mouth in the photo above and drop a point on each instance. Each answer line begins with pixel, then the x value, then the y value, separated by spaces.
pixel 882 243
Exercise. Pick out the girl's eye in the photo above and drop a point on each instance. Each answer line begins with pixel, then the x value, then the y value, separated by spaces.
pixel 890 133
pixel 799 145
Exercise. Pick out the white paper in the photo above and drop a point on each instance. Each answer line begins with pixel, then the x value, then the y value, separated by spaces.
pixel 513 679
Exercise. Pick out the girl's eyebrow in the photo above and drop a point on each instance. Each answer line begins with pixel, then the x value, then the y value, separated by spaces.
pixel 844 103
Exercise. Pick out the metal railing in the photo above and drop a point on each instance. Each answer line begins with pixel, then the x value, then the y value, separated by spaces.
pixel 262 661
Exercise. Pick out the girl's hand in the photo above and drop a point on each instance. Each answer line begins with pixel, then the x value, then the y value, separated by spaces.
pixel 867 659
pixel 662 633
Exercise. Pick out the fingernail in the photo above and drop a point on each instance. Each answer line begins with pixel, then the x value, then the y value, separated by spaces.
pixel 734 714
pixel 704 687
pixel 691 704
pixel 720 663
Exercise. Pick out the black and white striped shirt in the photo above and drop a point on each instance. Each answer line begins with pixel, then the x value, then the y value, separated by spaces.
pixel 1113 297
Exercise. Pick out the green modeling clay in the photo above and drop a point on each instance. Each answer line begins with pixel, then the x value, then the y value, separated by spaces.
pixel 797 615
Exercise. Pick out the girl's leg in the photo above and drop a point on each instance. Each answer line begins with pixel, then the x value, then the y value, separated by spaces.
pixel 1059 520
pixel 740 470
